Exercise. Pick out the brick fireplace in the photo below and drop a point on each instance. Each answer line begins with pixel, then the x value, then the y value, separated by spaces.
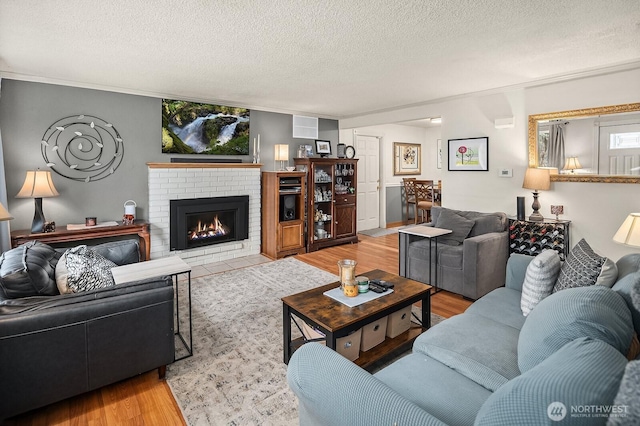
pixel 193 181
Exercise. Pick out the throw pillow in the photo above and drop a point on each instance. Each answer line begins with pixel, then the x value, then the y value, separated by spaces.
pixel 596 312
pixel 539 279
pixel 608 274
pixel 28 270
pixel 627 287
pixel 628 397
pixel 582 373
pixel 460 226
pixel 581 268
pixel 62 275
pixel 87 270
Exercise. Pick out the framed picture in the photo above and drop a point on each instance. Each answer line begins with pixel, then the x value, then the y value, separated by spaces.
pixel 407 158
pixel 323 148
pixel 439 154
pixel 470 154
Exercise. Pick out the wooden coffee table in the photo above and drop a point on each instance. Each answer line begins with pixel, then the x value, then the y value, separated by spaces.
pixel 336 320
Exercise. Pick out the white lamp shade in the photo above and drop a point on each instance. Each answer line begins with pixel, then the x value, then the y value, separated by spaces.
pixel 537 179
pixel 629 231
pixel 4 214
pixel 282 152
pixel 38 184
pixel 572 163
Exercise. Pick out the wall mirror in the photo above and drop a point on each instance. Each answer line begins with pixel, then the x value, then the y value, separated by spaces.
pixel 588 145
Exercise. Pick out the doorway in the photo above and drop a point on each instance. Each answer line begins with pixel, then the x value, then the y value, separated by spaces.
pixel 368 150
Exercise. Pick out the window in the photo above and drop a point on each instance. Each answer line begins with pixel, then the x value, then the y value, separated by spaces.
pixel 624 140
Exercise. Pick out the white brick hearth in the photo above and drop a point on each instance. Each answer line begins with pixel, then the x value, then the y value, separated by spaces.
pixel 176 181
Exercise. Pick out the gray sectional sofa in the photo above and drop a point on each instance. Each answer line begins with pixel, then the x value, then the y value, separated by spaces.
pixel 490 365
pixel 471 261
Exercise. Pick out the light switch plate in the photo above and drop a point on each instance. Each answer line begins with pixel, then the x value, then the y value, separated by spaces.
pixel 505 173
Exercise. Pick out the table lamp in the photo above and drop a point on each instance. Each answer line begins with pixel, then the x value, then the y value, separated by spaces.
pixel 572 164
pixel 282 154
pixel 38 184
pixel 4 214
pixel 536 179
pixel 629 231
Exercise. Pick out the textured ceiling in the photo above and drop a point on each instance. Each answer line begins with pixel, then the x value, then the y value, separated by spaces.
pixel 330 58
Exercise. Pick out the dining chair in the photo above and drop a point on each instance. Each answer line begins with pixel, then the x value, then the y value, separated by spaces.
pixel 424 199
pixel 409 195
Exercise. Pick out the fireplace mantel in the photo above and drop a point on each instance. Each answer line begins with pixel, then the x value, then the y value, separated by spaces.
pixel 204 165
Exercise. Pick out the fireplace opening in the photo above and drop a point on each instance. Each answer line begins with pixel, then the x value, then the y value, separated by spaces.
pixel 200 222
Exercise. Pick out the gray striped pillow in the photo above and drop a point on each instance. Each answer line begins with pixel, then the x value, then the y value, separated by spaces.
pixel 540 277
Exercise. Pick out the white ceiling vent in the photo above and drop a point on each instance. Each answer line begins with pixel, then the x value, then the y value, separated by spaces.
pixel 305 127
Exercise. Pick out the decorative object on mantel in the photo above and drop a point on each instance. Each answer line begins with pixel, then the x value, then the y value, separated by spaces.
pixel 129 212
pixel 536 179
pixel 37 185
pixel 557 210
pixel 256 150
pixel 82 148
pixel 629 232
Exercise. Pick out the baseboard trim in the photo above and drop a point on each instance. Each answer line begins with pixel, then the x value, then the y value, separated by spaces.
pixel 394 224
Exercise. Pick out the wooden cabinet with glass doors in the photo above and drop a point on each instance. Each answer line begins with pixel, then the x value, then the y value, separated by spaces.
pixel 331 201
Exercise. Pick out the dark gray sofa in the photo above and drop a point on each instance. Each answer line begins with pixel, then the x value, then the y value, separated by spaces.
pixel 471 269
pixel 57 346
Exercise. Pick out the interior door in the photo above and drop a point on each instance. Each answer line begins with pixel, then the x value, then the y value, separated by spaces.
pixel 620 149
pixel 368 152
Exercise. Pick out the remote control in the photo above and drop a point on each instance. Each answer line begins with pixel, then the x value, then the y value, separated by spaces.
pixel 376 288
pixel 382 283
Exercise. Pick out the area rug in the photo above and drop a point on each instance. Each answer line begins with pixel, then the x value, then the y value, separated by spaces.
pixel 379 232
pixel 236 375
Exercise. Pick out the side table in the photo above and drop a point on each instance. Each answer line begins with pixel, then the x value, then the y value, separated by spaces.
pixel 172 266
pixel 420 231
pixel 64 235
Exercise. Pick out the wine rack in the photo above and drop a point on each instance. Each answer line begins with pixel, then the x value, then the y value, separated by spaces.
pixel 531 238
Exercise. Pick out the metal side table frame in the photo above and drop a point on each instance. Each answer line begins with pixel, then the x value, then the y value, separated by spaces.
pixel 420 231
pixel 172 266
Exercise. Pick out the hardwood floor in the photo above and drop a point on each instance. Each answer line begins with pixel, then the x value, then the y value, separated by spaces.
pixel 145 400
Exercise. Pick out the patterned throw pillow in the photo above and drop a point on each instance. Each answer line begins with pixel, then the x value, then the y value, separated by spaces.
pixel 582 267
pixel 539 279
pixel 84 270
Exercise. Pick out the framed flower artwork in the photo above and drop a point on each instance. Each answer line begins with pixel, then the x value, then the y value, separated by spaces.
pixel 407 157
pixel 470 154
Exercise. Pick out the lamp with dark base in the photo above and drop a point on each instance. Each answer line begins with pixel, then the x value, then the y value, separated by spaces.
pixel 38 184
pixel 536 179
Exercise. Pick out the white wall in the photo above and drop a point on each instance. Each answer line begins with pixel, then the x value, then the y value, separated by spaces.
pixel 389 134
pixel 595 209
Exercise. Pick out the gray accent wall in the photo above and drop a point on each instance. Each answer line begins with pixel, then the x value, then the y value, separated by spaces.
pixel 395 209
pixel 27 109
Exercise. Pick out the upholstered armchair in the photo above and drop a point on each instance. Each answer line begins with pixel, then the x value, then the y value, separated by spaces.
pixel 471 261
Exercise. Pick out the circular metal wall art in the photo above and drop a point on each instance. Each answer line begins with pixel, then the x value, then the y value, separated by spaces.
pixel 83 148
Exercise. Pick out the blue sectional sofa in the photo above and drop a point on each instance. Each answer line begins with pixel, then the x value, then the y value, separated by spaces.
pixel 490 365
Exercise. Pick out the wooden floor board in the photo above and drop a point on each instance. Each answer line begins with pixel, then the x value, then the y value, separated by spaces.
pixel 146 400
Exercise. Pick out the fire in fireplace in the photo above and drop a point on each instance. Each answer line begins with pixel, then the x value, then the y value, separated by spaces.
pixel 203 221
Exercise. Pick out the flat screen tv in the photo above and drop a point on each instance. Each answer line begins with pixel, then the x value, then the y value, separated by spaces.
pixel 196 128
